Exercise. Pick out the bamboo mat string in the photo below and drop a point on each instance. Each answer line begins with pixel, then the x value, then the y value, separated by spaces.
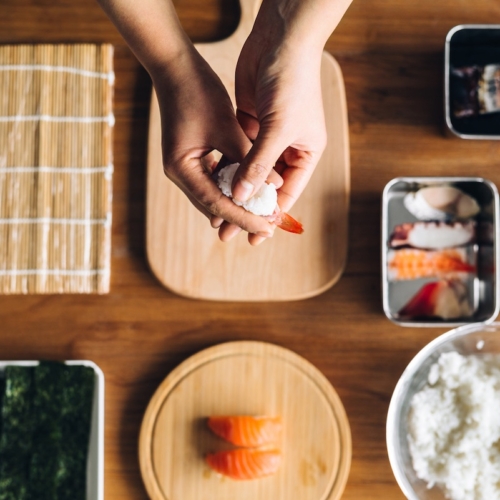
pixel 55 168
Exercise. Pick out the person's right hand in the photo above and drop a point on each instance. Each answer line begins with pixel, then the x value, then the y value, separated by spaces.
pixel 278 97
pixel 278 94
pixel 198 117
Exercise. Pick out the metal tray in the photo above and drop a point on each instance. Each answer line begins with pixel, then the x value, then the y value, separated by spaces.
pixel 95 460
pixel 483 288
pixel 467 45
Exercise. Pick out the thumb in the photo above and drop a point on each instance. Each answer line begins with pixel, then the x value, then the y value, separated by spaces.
pixel 257 165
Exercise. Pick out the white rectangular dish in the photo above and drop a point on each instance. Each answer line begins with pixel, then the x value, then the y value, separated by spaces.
pixel 95 460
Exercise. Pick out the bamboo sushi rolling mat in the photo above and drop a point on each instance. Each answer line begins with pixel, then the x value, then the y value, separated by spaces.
pixel 55 168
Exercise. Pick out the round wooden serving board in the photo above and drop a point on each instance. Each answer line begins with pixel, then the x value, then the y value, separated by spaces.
pixel 245 378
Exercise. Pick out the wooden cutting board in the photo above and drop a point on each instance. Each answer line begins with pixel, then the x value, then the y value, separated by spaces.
pixel 245 378
pixel 185 253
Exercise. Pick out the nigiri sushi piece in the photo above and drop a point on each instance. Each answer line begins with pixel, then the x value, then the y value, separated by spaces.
pixel 407 264
pixel 245 430
pixel 264 202
pixel 433 235
pixel 441 202
pixel 445 299
pixel 245 463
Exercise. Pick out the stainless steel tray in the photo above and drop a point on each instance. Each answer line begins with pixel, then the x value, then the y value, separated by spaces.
pixel 470 44
pixel 483 288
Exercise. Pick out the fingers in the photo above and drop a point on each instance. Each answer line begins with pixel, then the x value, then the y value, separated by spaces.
pixel 248 123
pixel 256 166
pixel 198 205
pixel 209 162
pixel 255 239
pixel 215 221
pixel 197 182
pixel 275 178
pixel 228 231
pixel 295 180
pixel 231 141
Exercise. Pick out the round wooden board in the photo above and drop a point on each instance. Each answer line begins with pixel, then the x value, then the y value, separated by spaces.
pixel 238 378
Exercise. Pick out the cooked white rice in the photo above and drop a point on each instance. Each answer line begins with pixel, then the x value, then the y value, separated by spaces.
pixel 454 427
pixel 264 202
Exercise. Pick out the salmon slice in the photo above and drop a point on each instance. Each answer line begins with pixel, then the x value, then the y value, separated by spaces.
pixel 246 430
pixel 245 464
pixel 410 264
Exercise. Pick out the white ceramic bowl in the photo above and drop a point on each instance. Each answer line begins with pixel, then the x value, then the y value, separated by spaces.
pixel 478 338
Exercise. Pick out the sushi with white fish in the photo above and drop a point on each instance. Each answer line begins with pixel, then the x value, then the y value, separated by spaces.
pixel 433 235
pixel 441 202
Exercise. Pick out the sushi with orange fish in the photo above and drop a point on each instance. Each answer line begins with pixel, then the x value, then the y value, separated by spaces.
pixel 407 264
pixel 245 430
pixel 245 463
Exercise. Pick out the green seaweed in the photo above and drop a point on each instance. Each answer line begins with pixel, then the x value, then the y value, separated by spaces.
pixel 17 430
pixel 2 392
pixel 76 407
pixel 47 434
pixel 44 431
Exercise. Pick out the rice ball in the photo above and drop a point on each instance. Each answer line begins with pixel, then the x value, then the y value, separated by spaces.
pixel 263 202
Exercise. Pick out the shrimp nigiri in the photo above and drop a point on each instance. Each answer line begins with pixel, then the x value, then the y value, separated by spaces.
pixel 411 264
pixel 244 463
pixel 246 430
pixel 263 203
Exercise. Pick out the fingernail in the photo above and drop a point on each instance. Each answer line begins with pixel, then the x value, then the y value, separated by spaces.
pixel 264 234
pixel 243 189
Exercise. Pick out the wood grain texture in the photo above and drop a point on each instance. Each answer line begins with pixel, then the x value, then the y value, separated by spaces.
pixel 245 378
pixel 391 53
pixel 185 253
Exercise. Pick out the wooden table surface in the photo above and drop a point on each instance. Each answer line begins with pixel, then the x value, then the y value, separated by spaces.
pixel 391 54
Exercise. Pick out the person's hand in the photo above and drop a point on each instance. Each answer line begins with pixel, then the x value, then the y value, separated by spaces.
pixel 279 106
pixel 197 117
pixel 278 96
pixel 196 112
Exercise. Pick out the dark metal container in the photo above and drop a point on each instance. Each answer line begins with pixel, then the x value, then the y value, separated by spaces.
pixel 469 46
pixel 483 288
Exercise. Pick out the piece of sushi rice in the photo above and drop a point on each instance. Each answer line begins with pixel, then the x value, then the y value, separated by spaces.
pixel 264 202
